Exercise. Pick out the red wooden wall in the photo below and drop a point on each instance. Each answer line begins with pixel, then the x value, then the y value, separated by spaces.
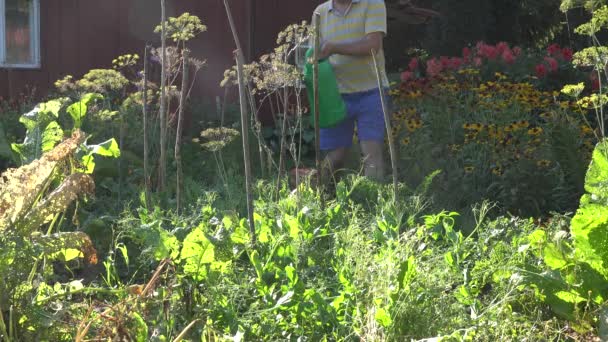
pixel 79 35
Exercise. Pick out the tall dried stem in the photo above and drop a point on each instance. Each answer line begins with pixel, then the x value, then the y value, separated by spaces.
pixel 178 135
pixel 240 61
pixel 145 114
pixel 162 171
pixel 387 121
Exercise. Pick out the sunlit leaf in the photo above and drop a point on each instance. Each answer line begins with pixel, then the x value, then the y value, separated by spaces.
pixel 197 253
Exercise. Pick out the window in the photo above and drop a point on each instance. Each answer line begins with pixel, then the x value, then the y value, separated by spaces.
pixel 19 33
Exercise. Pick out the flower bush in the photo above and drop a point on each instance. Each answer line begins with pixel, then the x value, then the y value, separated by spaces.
pixel 496 123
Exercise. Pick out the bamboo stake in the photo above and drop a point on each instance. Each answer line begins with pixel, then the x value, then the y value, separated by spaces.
pixel 315 81
pixel 387 121
pixel 145 114
pixel 240 61
pixel 178 135
pixel 163 101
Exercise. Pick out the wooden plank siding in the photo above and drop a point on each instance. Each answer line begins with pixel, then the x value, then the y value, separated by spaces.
pixel 79 35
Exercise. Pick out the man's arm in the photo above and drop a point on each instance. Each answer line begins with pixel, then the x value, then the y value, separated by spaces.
pixel 360 47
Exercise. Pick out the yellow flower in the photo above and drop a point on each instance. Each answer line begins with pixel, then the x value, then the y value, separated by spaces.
pixel 497 170
pixel 405 141
pixel 543 163
pixel 586 130
pixel 469 169
pixel 573 90
pixel 535 131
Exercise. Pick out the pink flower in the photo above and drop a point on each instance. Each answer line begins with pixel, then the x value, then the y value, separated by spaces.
pixel 517 51
pixel 434 67
pixel 567 54
pixel 508 56
pixel 477 61
pixel 466 54
pixel 553 49
pixel 541 71
pixel 455 63
pixel 406 76
pixel 488 51
pixel 445 61
pixel 502 47
pixel 553 65
pixel 413 65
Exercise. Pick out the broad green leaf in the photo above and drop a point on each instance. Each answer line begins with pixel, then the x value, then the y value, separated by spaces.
pixel 449 258
pixel 42 114
pixel 79 109
pixel 293 225
pixel 107 148
pixel 254 256
pixel 139 328
pixel 570 297
pixel 52 135
pixel 537 238
pixel 383 318
pixel 66 254
pixel 197 253
pixel 290 271
pixel 88 161
pixel 241 234
pixel 596 182
pixel 554 258
pixel 589 230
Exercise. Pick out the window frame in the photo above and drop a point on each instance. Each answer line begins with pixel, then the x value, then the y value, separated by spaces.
pixel 35 41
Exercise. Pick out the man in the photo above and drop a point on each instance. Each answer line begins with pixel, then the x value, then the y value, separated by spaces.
pixel 349 31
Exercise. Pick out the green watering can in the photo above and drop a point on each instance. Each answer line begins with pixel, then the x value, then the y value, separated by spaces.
pixel 332 109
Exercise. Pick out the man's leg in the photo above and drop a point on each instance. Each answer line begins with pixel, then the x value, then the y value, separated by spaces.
pixel 334 161
pixel 373 158
pixel 371 132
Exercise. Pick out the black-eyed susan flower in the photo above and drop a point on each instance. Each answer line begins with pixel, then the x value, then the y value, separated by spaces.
pixel 497 170
pixel 543 163
pixel 585 130
pixel 405 141
pixel 469 169
pixel 535 131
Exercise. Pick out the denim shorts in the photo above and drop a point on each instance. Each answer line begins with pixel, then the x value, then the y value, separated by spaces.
pixel 363 109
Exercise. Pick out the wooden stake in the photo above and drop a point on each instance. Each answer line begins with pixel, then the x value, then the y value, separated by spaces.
pixel 240 62
pixel 162 172
pixel 145 114
pixel 387 121
pixel 178 135
pixel 315 81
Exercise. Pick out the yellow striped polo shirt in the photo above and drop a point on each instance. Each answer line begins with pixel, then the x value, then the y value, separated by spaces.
pixel 354 73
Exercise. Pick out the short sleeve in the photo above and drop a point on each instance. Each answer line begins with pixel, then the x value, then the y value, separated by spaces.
pixel 375 17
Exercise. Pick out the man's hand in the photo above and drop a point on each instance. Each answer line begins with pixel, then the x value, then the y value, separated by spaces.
pixel 360 47
pixel 327 50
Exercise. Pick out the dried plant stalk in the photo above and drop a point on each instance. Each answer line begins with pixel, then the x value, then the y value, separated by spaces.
pixel 145 114
pixel 162 171
pixel 80 241
pixel 19 188
pixel 56 202
pixel 178 135
pixel 315 81
pixel 240 62
pixel 387 121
